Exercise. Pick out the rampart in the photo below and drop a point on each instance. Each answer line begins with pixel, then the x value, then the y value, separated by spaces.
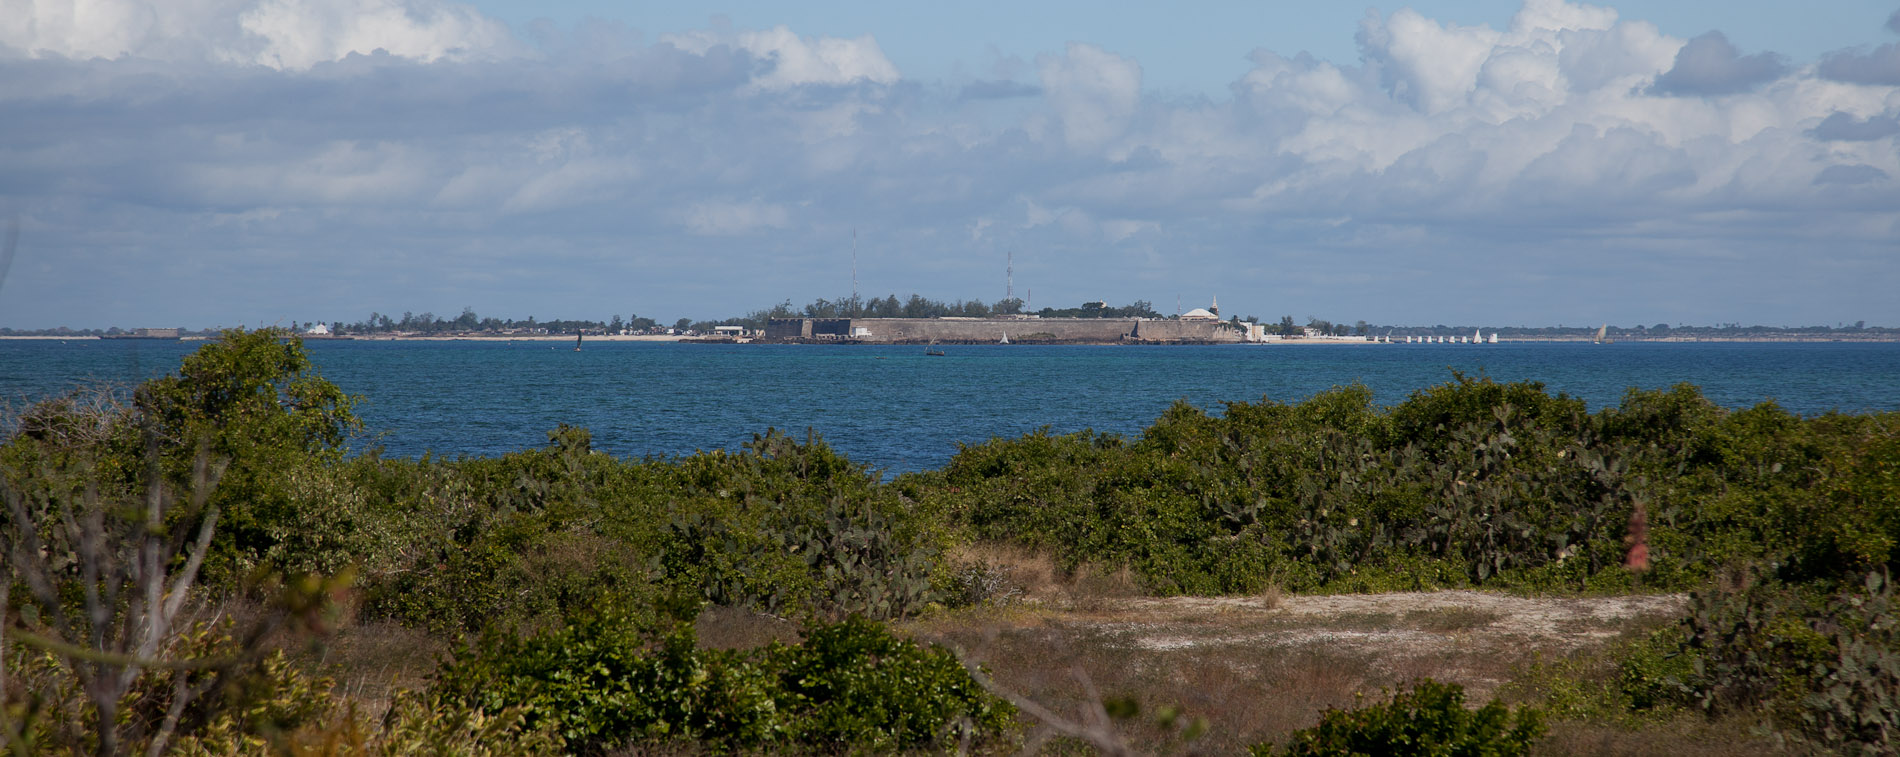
pixel 796 329
pixel 1187 332
pixel 984 330
pixel 994 330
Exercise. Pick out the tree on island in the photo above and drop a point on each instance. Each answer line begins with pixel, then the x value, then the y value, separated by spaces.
pixel 1136 309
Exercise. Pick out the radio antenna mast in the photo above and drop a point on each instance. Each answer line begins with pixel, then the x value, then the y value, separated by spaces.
pixel 1009 277
pixel 854 270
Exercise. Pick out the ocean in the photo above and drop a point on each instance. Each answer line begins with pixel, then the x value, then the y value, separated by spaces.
pixel 899 410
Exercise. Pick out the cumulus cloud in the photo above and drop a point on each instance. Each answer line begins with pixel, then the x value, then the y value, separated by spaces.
pixel 1880 66
pixel 1854 174
pixel 1430 65
pixel 998 89
pixel 796 61
pixel 1709 65
pixel 303 33
pixel 1846 128
pixel 220 145
pixel 285 34
pixel 1093 91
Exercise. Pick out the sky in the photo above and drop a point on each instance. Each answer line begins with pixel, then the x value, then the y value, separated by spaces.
pixel 205 163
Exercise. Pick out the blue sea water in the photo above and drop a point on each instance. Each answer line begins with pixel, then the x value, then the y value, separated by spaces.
pixel 899 410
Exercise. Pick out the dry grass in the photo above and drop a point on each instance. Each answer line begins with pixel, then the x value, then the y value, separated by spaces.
pixel 369 662
pixel 1035 578
pixel 1244 698
pixel 372 662
pixel 1253 668
pixel 1094 585
pixel 1256 668
pixel 1270 597
pixel 1035 573
pixel 1452 619
pixel 1682 738
pixel 738 628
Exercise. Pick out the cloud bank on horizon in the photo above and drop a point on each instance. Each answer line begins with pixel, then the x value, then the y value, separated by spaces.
pixel 215 162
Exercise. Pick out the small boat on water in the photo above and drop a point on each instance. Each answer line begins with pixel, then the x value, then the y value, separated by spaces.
pixel 577 341
pixel 932 350
pixel 1603 335
pixel 1005 339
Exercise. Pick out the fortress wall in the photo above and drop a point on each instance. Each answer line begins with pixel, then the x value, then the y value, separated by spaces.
pixel 1187 331
pixel 991 330
pixel 923 330
pixel 806 328
pixel 787 328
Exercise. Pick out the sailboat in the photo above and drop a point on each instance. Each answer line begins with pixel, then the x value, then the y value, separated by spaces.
pixel 1603 335
pixel 577 341
pixel 1005 339
pixel 932 350
pixel 1477 336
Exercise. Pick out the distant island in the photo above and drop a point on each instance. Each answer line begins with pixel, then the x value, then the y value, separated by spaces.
pixel 919 319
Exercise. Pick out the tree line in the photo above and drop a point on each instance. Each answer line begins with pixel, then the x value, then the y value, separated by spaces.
pixel 918 306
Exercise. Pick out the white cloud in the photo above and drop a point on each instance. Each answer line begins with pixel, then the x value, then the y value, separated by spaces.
pixel 285 34
pixel 1093 91
pixel 301 33
pixel 734 218
pixel 1120 229
pixel 719 153
pixel 795 60
pixel 1709 65
pixel 1432 66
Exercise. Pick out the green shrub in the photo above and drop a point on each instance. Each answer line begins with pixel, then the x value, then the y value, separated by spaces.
pixel 1429 719
pixel 603 684
pixel 1826 668
pixel 855 683
pixel 1652 672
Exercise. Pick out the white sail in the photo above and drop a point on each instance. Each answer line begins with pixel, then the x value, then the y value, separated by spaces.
pixel 1603 332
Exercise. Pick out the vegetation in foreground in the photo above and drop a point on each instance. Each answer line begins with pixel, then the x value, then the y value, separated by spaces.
pixel 175 556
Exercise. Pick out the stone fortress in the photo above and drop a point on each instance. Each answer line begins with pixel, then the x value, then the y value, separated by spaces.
pixel 1198 326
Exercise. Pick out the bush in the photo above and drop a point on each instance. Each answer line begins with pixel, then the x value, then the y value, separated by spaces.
pixel 1429 719
pixel 603 684
pixel 1471 483
pixel 1827 668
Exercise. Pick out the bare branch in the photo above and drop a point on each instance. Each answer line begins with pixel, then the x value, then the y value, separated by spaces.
pixel 1099 732
pixel 183 693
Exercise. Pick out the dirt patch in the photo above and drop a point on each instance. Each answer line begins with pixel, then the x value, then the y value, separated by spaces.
pixel 1398 623
pixel 1291 655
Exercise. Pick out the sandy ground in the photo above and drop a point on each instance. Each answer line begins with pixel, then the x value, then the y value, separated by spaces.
pixel 1473 638
pixel 1409 622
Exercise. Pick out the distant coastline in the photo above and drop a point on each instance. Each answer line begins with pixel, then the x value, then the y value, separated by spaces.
pixel 1770 338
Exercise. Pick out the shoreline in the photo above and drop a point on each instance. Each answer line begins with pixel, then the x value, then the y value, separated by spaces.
pixel 508 338
pixel 663 338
